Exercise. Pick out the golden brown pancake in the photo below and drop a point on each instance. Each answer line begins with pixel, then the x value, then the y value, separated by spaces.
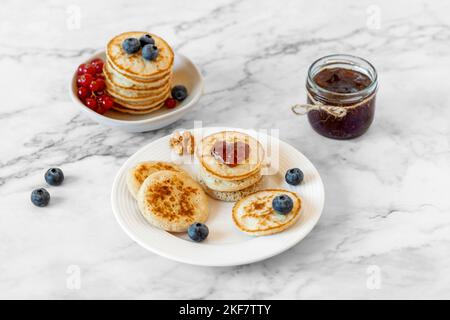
pixel 254 214
pixel 134 65
pixel 137 174
pixel 172 201
pixel 246 168
pixel 138 86
pixel 137 111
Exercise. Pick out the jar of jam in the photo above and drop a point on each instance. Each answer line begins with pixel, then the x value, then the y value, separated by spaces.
pixel 341 92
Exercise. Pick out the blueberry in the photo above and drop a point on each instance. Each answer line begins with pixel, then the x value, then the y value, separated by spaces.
pixel 146 39
pixel 54 176
pixel 282 204
pixel 131 45
pixel 198 231
pixel 179 92
pixel 40 197
pixel 150 52
pixel 294 176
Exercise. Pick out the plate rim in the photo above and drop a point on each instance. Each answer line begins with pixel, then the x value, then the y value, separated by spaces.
pixel 101 118
pixel 309 225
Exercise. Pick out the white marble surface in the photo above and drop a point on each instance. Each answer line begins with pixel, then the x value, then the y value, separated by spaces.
pixel 387 193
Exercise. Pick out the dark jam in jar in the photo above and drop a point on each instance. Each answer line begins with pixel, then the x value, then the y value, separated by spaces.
pixel 343 81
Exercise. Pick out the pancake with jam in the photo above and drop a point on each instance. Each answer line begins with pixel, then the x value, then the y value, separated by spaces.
pixel 137 174
pixel 230 164
pixel 172 201
pixel 255 216
pixel 230 155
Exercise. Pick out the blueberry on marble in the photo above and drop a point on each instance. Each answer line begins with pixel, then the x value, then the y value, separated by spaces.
pixel 146 39
pixel 40 197
pixel 131 45
pixel 282 204
pixel 54 176
pixel 150 52
pixel 294 176
pixel 198 231
pixel 179 92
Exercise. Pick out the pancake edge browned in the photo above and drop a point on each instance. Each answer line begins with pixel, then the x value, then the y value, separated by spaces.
pixel 134 74
pixel 137 111
pixel 229 177
pixel 139 100
pixel 134 88
pixel 140 80
pixel 153 215
pixel 271 230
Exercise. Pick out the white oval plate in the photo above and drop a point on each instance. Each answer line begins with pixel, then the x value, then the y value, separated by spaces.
pixel 225 245
pixel 184 72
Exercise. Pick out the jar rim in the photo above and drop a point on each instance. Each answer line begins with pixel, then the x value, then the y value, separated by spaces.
pixel 345 59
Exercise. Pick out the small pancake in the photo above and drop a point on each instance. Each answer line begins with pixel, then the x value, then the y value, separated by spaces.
pixel 132 89
pixel 137 174
pixel 140 98
pixel 134 65
pixel 172 201
pixel 246 168
pixel 126 82
pixel 255 216
pixel 145 80
pixel 218 184
pixel 231 196
pixel 124 109
pixel 142 105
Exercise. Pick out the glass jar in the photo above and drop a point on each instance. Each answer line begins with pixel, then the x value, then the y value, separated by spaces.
pixel 347 82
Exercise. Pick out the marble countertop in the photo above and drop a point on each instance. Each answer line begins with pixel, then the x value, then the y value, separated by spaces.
pixel 385 229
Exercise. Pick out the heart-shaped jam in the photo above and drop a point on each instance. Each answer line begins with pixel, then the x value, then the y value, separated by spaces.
pixel 230 153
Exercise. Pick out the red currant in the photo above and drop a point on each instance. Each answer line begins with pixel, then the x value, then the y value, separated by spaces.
pixel 81 69
pixel 83 93
pixel 100 76
pixel 98 65
pixel 84 80
pixel 170 103
pixel 107 102
pixel 91 103
pixel 100 105
pixel 101 110
pixel 99 93
pixel 97 85
pixel 90 69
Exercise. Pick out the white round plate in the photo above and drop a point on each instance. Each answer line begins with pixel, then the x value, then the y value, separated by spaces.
pixel 225 245
pixel 184 72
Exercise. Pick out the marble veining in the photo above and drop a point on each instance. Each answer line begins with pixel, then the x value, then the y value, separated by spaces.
pixel 385 230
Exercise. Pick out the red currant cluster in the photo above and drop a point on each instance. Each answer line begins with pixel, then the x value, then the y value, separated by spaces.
pixel 91 86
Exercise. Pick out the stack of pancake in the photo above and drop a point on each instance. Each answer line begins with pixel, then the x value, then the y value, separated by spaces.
pixel 139 86
pixel 167 196
pixel 225 180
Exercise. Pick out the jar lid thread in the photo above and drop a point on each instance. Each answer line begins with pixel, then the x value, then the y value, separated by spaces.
pixel 336 111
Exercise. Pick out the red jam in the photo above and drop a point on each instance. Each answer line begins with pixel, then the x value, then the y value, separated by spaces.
pixel 230 153
pixel 339 83
pixel 342 80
